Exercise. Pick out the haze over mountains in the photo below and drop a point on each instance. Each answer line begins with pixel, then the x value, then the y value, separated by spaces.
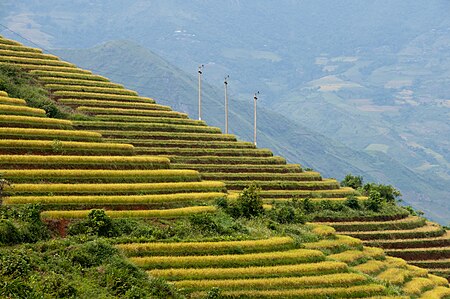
pixel 347 86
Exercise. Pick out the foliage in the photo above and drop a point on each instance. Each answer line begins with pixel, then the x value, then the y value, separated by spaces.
pixel 375 201
pixel 387 193
pixel 249 203
pixel 352 202
pixel 352 181
pixel 19 84
pixel 217 224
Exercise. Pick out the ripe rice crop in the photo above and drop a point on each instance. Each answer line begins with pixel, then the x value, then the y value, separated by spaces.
pixel 427 231
pixel 160 118
pixel 27 54
pixel 228 160
pixel 286 185
pixel 18 120
pixel 28 133
pixel 242 168
pixel 84 75
pixel 130 112
pixel 86 105
pixel 49 68
pixel 301 176
pixel 21 110
pixel 113 200
pixel 395 262
pixel 151 188
pixel 323 230
pixel 199 248
pixel 351 256
pixel 342 279
pixel 401 224
pixel 230 260
pixel 438 280
pixel 93 95
pixel 169 213
pixel 417 285
pixel 436 293
pixel 92 81
pixel 11 101
pixel 316 293
pixel 3 93
pixel 106 161
pixel 395 276
pixel 8 41
pixel 319 194
pixel 220 152
pixel 371 267
pixel 429 253
pixel 339 242
pixel 166 135
pixel 80 88
pixel 251 272
pixel 145 126
pixel 35 61
pixel 19 48
pixel 65 145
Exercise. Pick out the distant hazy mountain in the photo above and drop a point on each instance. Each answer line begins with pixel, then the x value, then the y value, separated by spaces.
pixel 372 75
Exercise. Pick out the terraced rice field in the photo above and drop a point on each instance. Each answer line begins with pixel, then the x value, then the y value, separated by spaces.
pixel 136 158
pixel 337 266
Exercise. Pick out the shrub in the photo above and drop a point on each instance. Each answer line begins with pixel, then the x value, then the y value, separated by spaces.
pixel 352 181
pixel 249 203
pixel 387 193
pixel 218 224
pixel 100 224
pixel 374 202
pixel 286 213
pixel 352 202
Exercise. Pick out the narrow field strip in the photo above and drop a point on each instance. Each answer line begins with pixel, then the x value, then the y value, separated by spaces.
pixel 21 110
pixel 436 293
pixel 316 293
pixel 50 68
pixel 244 168
pixel 84 75
pixel 230 260
pixel 410 222
pixel 19 47
pixel 169 213
pixel 261 176
pixel 202 248
pixel 353 256
pixel 34 61
pixel 441 241
pixel 186 143
pixel 107 162
pixel 324 184
pixel 319 194
pixel 5 100
pixel 340 241
pixel 26 54
pixel 418 285
pixel 157 175
pixel 30 133
pixel 431 264
pixel 428 253
pixel 320 268
pixel 51 78
pixel 94 95
pixel 371 267
pixel 229 160
pixel 105 106
pixel 113 200
pixel 198 152
pixel 30 121
pixel 342 279
pixel 89 88
pixel 124 126
pixel 152 188
pixel 158 117
pixel 428 231
pixel 168 136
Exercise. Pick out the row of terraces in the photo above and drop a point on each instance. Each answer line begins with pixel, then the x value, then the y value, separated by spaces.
pixel 71 171
pixel 136 158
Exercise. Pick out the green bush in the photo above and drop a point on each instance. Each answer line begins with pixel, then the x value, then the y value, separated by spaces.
pixel 375 201
pixel 286 213
pixel 218 224
pixel 249 203
pixel 352 202
pixel 388 193
pixel 352 181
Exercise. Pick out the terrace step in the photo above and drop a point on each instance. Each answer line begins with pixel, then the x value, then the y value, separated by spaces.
pixel 97 175
pixel 7 109
pixel 72 81
pixel 441 241
pixel 428 253
pixel 430 230
pixel 5 100
pixel 89 88
pixel 119 108
pixel 142 126
pixel 317 194
pixel 240 168
pixel 199 152
pixel 161 118
pixel 83 162
pixel 184 143
pixel 84 75
pixel 432 264
pixel 275 160
pixel 101 96
pixel 49 134
pixel 167 136
pixel 263 176
pixel 410 222
pixel 116 189
pixel 18 121
pixel 271 185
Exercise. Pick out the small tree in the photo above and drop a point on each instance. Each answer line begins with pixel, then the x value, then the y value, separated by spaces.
pixel 375 201
pixel 353 181
pixel 249 203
